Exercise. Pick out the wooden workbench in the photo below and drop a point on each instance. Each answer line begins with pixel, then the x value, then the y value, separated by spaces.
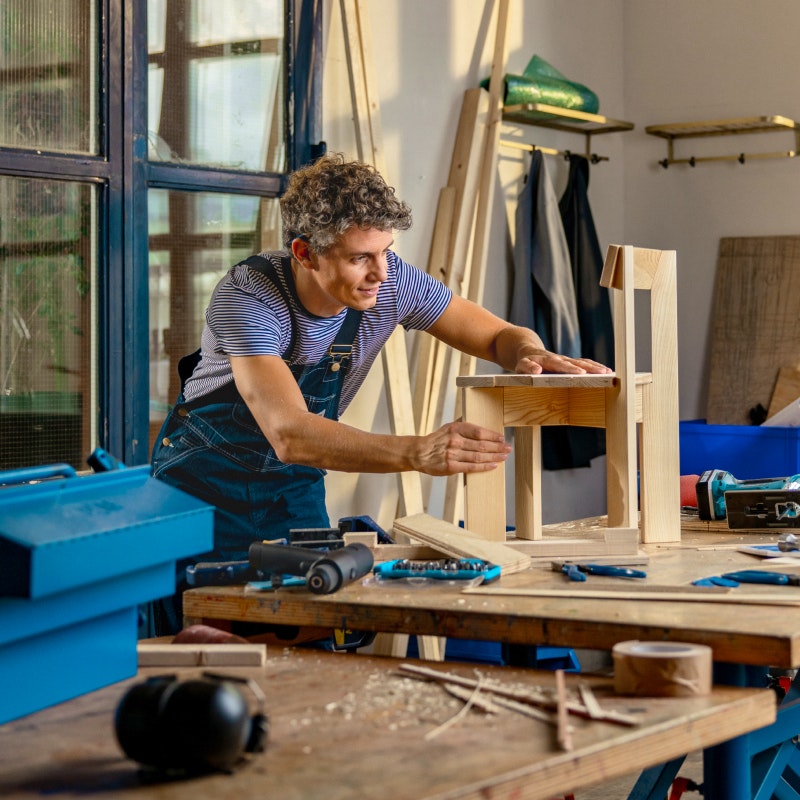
pixel 348 727
pixel 746 633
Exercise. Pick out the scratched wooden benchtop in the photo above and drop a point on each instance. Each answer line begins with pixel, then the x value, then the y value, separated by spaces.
pixel 347 727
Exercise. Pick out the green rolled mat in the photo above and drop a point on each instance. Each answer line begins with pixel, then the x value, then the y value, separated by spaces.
pixel 543 83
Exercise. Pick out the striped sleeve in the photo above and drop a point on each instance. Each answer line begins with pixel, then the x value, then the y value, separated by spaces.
pixel 247 316
pixel 421 298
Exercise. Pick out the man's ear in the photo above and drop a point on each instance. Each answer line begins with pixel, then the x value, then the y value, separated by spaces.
pixel 301 251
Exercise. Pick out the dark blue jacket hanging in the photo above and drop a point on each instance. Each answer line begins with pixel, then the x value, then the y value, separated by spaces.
pixel 568 447
pixel 543 298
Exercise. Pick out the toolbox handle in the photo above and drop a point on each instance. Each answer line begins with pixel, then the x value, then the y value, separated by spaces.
pixel 27 474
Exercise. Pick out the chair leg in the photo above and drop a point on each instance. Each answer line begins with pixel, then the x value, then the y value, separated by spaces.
pixel 528 481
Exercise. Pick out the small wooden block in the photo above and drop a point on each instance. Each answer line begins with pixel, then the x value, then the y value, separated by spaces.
pixel 201 655
pixel 369 538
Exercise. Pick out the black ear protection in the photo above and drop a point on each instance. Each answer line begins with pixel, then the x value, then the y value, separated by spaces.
pixel 196 725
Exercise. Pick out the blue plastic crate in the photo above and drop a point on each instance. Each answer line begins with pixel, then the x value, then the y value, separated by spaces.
pixel 77 557
pixel 482 652
pixel 746 451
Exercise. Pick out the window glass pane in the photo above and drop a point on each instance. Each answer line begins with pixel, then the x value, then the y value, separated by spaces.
pixel 216 96
pixel 194 239
pixel 47 327
pixel 47 75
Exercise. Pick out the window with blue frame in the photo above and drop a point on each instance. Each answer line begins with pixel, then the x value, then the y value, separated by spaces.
pixel 143 146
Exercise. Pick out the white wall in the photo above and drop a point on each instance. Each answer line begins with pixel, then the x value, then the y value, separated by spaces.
pixel 692 61
pixel 650 62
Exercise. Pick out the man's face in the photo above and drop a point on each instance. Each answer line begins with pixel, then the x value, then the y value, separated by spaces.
pixel 349 274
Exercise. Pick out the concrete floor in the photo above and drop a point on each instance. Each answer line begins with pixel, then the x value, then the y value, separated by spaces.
pixel 620 789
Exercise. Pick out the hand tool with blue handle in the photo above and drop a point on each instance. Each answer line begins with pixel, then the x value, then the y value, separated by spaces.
pixel 762 576
pixel 716 580
pixel 578 572
pixel 445 569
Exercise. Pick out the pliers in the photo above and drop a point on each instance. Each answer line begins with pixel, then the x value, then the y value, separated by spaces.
pixel 578 572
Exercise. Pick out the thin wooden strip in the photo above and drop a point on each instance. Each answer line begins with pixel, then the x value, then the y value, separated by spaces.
pixel 532 696
pixel 625 594
pixel 564 730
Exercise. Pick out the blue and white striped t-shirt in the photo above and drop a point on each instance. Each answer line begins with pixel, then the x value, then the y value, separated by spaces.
pixel 248 316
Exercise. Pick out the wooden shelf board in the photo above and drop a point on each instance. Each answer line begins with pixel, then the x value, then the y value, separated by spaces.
pixel 725 127
pixel 563 119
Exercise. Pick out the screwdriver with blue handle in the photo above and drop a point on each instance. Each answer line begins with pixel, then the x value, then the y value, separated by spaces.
pixel 763 576
pixel 578 572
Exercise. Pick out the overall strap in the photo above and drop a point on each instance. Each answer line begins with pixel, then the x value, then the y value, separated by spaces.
pixel 267 268
pixel 342 346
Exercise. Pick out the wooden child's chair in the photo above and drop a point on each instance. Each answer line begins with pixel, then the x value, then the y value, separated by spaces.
pixel 617 402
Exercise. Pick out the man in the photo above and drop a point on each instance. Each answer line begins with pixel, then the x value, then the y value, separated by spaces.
pixel 290 337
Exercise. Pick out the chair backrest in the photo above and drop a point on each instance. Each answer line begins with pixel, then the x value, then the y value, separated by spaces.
pixel 627 268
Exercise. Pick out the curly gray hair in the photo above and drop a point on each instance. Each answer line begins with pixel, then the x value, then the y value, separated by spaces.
pixel 326 198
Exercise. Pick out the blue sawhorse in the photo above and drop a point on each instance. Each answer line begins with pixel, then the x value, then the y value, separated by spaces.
pixel 762 765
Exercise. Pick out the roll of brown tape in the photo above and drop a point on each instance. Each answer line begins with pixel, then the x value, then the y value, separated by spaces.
pixel 662 669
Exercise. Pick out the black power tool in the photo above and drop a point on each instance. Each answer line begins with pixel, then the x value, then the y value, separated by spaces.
pixel 325 573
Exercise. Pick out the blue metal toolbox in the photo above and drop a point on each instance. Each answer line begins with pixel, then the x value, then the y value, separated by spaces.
pixel 77 557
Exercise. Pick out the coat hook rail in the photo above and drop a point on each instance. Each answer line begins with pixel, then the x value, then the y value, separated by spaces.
pixel 551 151
pixel 742 158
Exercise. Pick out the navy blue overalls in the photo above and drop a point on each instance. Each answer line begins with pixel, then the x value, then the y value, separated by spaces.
pixel 212 448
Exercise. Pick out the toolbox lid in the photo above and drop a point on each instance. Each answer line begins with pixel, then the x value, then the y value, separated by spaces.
pixel 60 534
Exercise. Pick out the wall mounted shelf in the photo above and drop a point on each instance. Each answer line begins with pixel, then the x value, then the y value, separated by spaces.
pixel 725 127
pixel 562 119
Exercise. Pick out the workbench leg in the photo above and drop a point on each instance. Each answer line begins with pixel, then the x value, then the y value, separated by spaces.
pixel 655 783
pixel 726 771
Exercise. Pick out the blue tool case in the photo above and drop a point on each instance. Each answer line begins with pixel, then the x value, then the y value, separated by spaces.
pixel 78 554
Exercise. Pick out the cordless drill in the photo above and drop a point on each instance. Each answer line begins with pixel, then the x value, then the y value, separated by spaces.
pixel 713 484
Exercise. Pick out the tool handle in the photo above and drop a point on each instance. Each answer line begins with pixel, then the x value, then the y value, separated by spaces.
pixel 757 576
pixel 281 559
pixel 221 573
pixel 324 573
pixel 613 572
pixel 573 572
pixel 12 477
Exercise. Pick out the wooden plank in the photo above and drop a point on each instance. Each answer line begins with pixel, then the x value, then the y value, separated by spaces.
pixel 787 389
pixel 548 381
pixel 463 179
pixel 625 545
pixel 201 655
pixel 659 468
pixel 488 177
pixel 755 323
pixel 666 596
pixel 620 406
pixel 461 543
pixel 437 260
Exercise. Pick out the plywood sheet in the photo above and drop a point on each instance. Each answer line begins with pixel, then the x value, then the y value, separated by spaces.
pixel 787 390
pixel 755 323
